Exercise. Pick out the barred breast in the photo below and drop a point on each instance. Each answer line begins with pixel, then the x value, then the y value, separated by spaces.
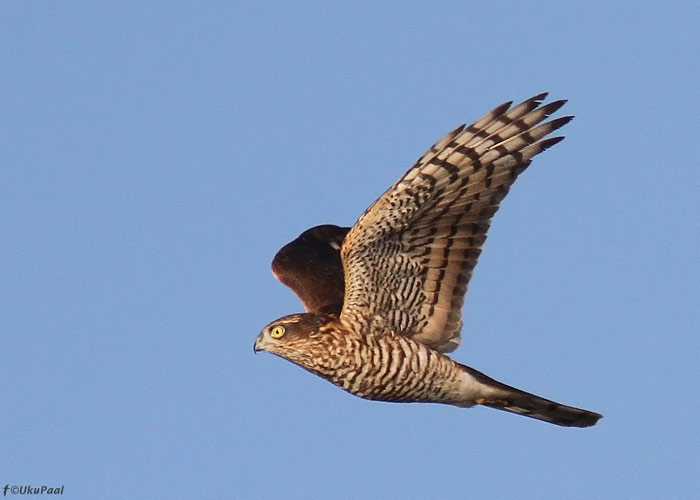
pixel 397 369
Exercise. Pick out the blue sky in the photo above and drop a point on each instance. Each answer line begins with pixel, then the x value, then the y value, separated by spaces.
pixel 156 155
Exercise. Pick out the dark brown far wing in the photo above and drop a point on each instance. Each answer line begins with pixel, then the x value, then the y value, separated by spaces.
pixel 311 267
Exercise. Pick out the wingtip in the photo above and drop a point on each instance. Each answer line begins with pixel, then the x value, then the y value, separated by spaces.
pixel 548 143
pixel 539 97
pixel 553 106
pixel 559 122
pixel 502 108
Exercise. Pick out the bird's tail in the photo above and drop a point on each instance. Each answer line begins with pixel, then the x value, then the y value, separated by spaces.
pixel 506 398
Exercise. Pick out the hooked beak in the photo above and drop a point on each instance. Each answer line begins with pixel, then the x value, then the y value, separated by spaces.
pixel 256 345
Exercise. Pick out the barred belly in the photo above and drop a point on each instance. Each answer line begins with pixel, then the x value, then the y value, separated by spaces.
pixel 396 368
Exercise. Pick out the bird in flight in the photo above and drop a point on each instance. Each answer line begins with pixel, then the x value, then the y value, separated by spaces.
pixel 384 298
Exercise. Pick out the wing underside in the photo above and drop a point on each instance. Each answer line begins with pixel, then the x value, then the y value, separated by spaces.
pixel 409 258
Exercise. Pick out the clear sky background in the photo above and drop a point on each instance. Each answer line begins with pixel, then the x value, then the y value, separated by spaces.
pixel 155 156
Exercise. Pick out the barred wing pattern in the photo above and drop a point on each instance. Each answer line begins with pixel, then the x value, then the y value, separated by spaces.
pixel 409 258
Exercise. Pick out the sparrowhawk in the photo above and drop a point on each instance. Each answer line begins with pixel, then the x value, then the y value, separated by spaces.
pixel 384 298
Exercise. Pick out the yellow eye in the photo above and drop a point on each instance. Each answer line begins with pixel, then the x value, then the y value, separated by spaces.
pixel 277 332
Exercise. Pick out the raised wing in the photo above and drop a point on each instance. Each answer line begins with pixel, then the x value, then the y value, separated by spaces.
pixel 410 256
pixel 311 266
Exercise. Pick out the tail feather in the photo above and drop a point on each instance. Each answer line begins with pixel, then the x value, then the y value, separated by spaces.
pixel 506 398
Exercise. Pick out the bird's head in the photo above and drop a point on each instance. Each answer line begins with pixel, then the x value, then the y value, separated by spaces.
pixel 296 337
